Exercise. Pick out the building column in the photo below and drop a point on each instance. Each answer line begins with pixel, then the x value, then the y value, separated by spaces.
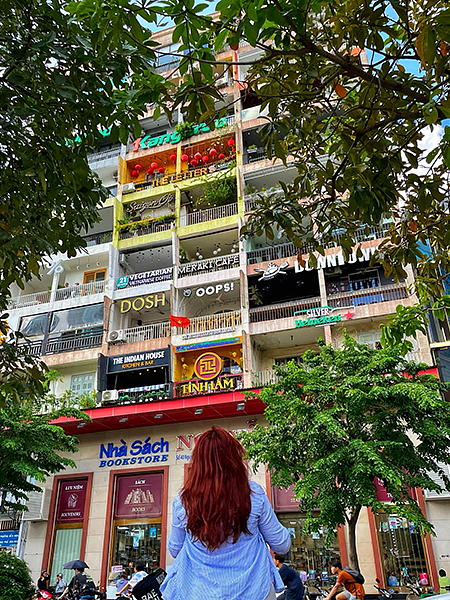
pixel 324 300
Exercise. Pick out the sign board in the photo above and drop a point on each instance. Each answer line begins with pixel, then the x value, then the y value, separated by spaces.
pixel 139 452
pixel 320 316
pixel 335 260
pixel 140 360
pixel 208 344
pixel 283 499
pixel 208 366
pixel 174 138
pixel 214 264
pixel 144 278
pixel 139 496
pixel 9 539
pixel 72 498
pixel 141 303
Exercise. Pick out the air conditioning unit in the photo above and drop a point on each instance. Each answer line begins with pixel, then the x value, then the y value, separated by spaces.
pixel 110 395
pixel 127 188
pixel 38 506
pixel 116 336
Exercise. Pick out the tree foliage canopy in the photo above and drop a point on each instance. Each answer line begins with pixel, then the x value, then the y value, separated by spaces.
pixel 16 580
pixel 343 417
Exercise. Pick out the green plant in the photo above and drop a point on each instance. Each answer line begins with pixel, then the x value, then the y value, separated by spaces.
pixel 183 257
pixel 16 580
pixel 217 192
pixel 186 130
pixel 134 225
pixel 252 147
pixel 255 295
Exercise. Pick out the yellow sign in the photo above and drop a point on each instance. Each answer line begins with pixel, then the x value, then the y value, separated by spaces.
pixel 208 366
pixel 139 303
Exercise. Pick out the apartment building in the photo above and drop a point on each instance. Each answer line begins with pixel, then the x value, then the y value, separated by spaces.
pixel 168 245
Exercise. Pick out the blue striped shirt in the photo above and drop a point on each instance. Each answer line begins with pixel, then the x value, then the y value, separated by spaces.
pixel 241 571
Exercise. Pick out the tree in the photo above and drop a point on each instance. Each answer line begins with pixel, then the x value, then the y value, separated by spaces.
pixel 16 580
pixel 343 417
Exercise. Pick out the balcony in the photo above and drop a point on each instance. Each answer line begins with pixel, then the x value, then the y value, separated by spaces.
pixel 213 324
pixel 263 378
pixel 75 291
pixel 209 265
pixel 74 340
pixel 364 292
pixel 141 395
pixel 255 155
pixel 200 387
pixel 147 332
pixel 132 230
pixel 106 156
pixel 276 252
pixel 29 300
pixel 210 214
pixel 98 238
pixel 283 310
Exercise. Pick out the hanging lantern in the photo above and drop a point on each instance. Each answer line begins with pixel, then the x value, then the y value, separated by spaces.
pixel 194 162
pixel 230 142
pixel 137 167
pixel 154 165
pixel 221 156
pixel 173 157
pixel 134 173
pixel 184 158
pixel 197 156
pixel 213 152
pixel 161 170
pixel 205 158
pixel 150 171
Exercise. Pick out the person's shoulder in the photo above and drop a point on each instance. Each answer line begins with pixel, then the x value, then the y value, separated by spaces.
pixel 256 488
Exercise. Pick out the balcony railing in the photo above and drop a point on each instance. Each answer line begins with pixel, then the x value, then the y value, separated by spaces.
pixel 283 310
pixel 256 155
pixel 85 289
pixel 34 348
pixel 200 387
pixel 71 341
pixel 149 393
pixel 29 300
pixel 263 378
pixel 369 295
pixel 362 234
pixel 213 323
pixel 103 155
pixel 153 227
pixel 276 252
pixel 98 238
pixel 210 214
pixel 209 265
pixel 147 332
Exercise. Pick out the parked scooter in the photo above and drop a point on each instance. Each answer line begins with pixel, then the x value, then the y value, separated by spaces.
pixel 417 591
pixel 43 595
pixel 384 593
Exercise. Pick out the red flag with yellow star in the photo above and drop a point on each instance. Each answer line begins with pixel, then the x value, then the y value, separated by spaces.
pixel 179 321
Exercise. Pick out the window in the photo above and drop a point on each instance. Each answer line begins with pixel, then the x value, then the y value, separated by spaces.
pixel 82 384
pixel 167 58
pixel 371 338
pixel 91 276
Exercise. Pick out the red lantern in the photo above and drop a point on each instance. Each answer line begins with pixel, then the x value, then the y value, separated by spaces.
pixel 205 158
pixel 197 156
pixel 173 157
pixel 230 142
pixel 213 152
pixel 161 170
pixel 134 173
pixel 137 167
pixel 154 165
pixel 184 158
pixel 194 162
pixel 150 171
pixel 221 156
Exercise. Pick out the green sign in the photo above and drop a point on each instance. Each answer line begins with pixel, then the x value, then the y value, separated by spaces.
pixel 316 317
pixel 173 138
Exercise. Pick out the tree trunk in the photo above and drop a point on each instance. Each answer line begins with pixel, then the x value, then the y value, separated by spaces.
pixel 352 552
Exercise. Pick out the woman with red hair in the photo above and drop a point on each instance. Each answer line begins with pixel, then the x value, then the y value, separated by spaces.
pixel 221 525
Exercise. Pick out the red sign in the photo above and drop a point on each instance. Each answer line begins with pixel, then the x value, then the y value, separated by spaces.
pixel 72 497
pixel 139 496
pixel 384 496
pixel 208 366
pixel 283 499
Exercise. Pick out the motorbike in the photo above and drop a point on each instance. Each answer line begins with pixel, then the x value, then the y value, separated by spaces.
pixel 43 595
pixel 416 590
pixel 384 593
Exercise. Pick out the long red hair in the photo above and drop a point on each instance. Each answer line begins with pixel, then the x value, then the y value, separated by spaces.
pixel 216 495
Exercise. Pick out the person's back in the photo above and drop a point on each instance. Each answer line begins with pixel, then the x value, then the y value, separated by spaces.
pixel 210 565
pixel 444 581
pixel 291 580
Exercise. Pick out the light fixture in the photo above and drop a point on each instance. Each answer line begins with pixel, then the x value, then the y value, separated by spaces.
pixel 78 267
pixel 200 257
pixel 82 424
pixel 240 406
pixel 158 415
pixel 198 411
pixel 88 266
pixel 123 420
pixel 98 264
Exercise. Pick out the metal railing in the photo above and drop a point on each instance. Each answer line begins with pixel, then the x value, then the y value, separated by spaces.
pixel 147 332
pixel 276 252
pixel 369 295
pixel 29 300
pixel 263 378
pixel 98 238
pixel 209 265
pixel 210 214
pixel 199 387
pixel 231 119
pixel 256 155
pixel 163 391
pixel 283 310
pixel 362 234
pixel 74 341
pixel 154 227
pixel 84 289
pixel 213 322
pixel 103 155
pixel 34 348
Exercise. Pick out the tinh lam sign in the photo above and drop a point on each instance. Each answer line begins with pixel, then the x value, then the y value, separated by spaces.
pixel 320 316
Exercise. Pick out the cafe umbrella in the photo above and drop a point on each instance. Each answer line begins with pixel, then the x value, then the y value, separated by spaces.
pixel 76 564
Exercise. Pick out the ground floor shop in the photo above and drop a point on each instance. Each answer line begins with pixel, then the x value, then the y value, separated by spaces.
pixel 115 507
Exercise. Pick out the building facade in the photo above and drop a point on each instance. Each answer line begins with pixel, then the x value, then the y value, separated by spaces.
pixel 168 316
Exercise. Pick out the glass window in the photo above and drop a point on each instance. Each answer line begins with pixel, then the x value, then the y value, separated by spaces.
pixel 309 554
pixel 82 384
pixel 137 541
pixel 402 550
pixel 67 545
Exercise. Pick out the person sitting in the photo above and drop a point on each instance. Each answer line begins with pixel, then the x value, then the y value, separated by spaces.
pixel 352 589
pixel 76 584
pixel 122 581
pixel 291 580
pixel 138 576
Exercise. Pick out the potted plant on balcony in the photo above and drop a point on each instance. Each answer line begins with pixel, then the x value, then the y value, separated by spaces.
pixel 252 149
pixel 185 130
pixel 255 297
pixel 217 192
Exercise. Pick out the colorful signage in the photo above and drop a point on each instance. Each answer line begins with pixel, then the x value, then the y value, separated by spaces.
pixel 334 260
pixel 139 360
pixel 139 496
pixel 173 138
pixel 140 452
pixel 209 387
pixel 139 207
pixel 144 278
pixel 9 539
pixel 213 264
pixel 208 344
pixel 208 366
pixel 320 316
pixel 72 498
pixel 272 270
pixel 213 289
pixel 140 303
